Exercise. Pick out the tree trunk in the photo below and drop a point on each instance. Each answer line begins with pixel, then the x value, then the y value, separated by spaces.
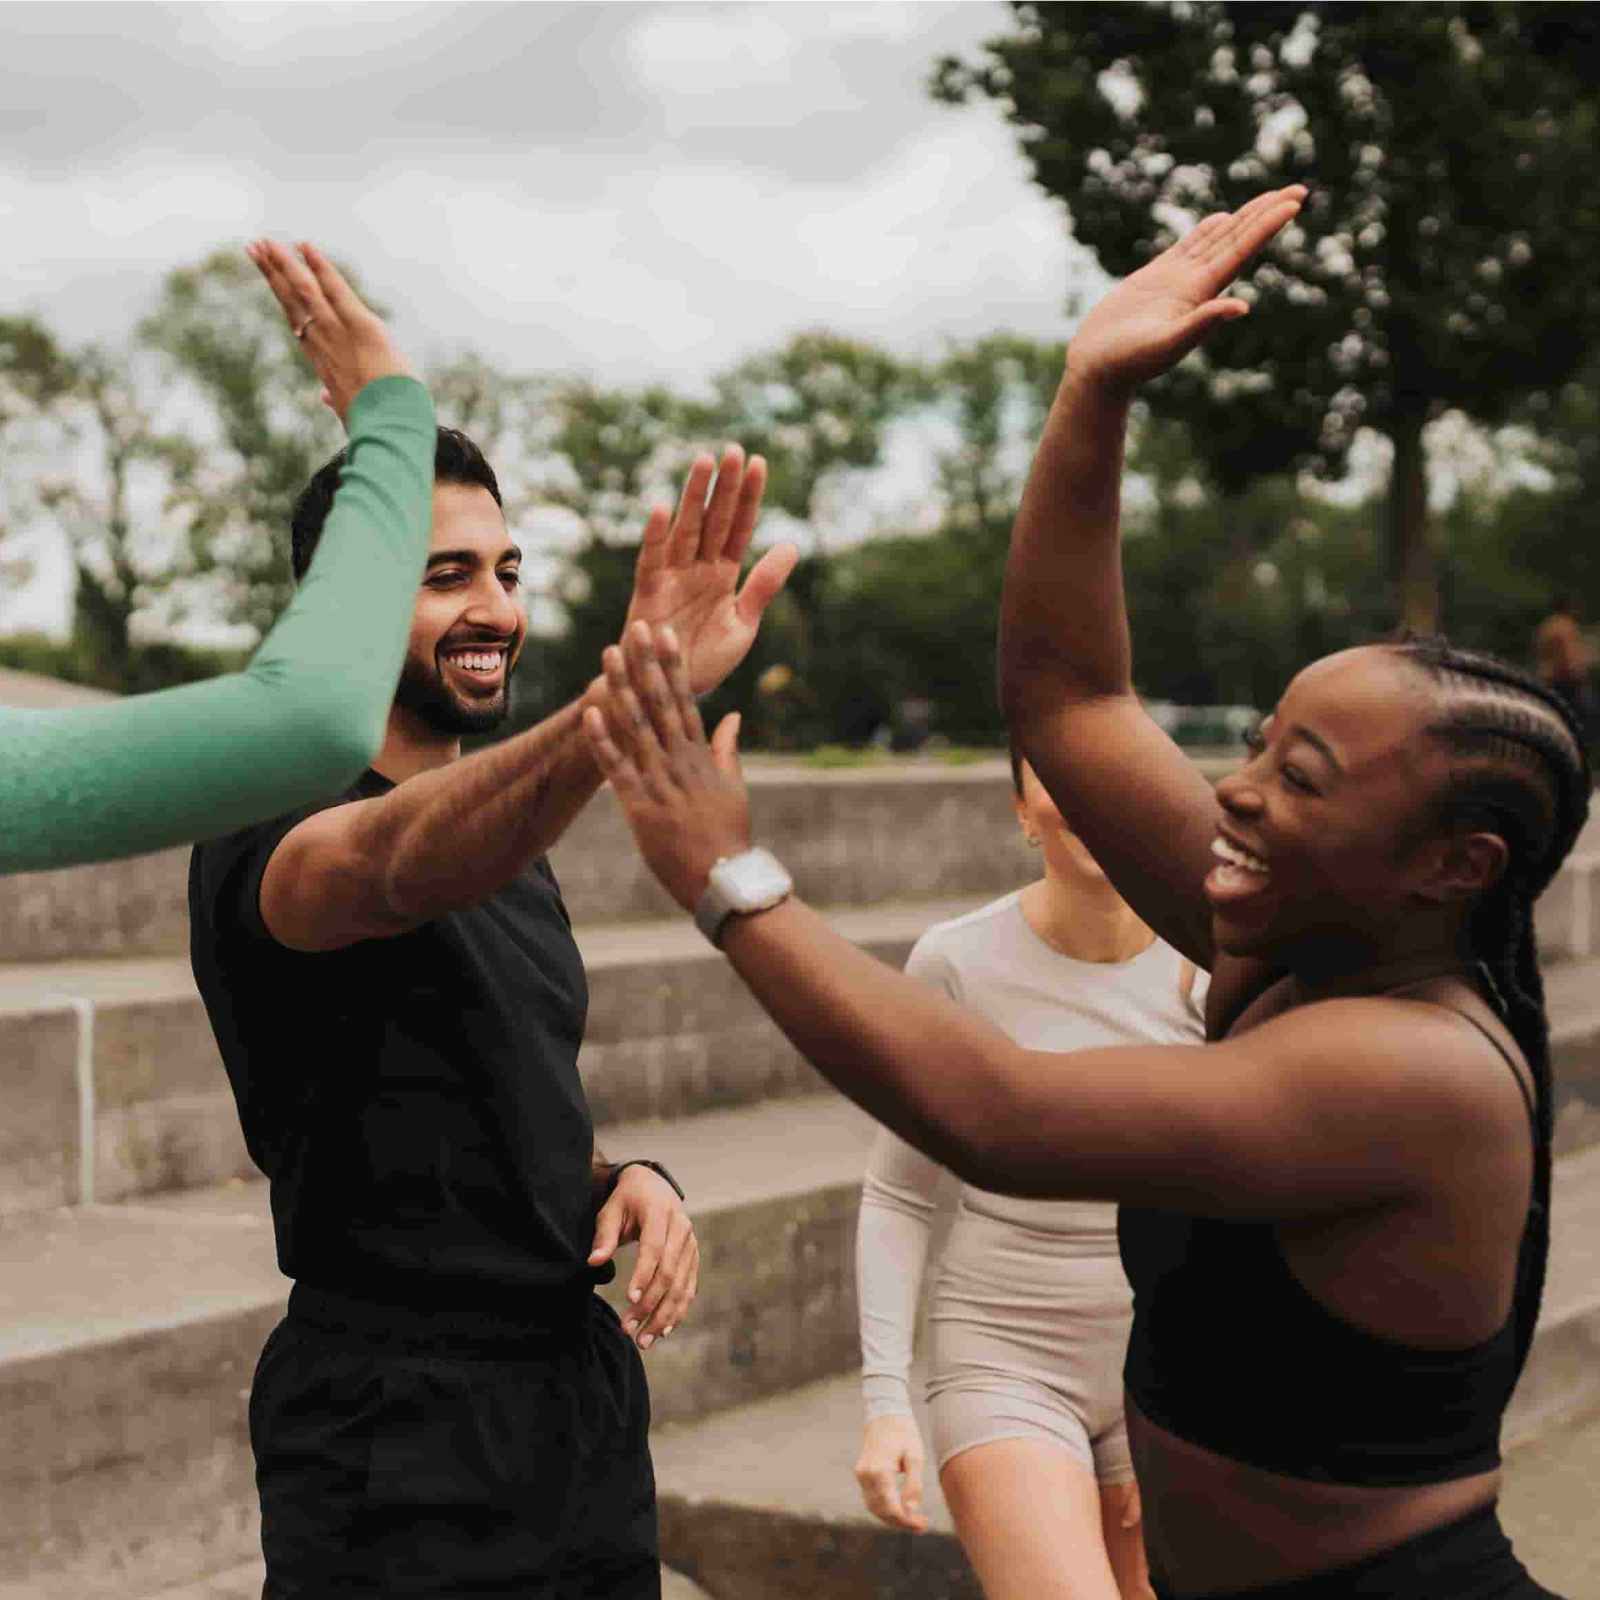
pixel 1411 569
pixel 100 619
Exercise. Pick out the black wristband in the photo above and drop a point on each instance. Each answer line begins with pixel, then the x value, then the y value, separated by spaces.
pixel 655 1166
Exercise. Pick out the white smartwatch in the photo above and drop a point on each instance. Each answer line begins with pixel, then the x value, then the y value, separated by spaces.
pixel 753 880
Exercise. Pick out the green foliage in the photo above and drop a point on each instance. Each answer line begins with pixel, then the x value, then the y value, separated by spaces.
pixel 816 408
pixel 226 337
pixel 1444 258
pixel 146 667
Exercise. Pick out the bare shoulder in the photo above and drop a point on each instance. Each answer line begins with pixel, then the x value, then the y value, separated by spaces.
pixel 1447 1062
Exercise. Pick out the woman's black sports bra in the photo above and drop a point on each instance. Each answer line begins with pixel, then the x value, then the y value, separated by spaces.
pixel 1231 1352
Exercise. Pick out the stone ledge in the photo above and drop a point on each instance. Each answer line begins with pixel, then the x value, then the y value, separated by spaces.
pixel 672 1032
pixel 128 1335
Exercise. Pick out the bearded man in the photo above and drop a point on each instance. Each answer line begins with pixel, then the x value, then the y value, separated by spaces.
pixel 448 1408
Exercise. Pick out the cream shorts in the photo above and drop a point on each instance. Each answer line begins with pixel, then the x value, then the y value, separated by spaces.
pixel 1030 1349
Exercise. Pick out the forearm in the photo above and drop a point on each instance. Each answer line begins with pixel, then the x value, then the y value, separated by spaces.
pixel 91 784
pixel 453 836
pixel 1063 619
pixel 934 1074
pixel 891 1249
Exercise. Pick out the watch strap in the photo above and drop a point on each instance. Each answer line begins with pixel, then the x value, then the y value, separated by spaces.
pixel 655 1166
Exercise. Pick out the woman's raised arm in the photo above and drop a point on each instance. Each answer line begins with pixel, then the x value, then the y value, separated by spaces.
pixel 1066 662
pixel 309 711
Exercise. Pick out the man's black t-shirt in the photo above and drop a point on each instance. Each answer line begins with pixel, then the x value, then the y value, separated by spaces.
pixel 415 1101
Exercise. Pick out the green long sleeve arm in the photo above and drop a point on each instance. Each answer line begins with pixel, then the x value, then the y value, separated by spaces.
pixel 298 723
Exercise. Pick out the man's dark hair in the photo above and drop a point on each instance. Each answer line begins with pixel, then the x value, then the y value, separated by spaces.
pixel 1016 766
pixel 456 459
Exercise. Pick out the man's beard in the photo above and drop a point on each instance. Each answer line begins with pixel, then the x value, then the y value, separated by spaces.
pixel 423 692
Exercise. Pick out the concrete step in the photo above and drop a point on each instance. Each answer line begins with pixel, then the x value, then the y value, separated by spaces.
pixel 854 837
pixel 117 1057
pixel 1548 1506
pixel 128 1335
pixel 758 1502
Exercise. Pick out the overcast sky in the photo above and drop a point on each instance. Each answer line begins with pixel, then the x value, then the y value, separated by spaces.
pixel 631 191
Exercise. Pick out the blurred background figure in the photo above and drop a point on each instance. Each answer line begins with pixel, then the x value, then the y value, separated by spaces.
pixel 1563 658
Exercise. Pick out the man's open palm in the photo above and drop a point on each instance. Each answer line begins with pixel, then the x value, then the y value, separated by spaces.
pixel 688 571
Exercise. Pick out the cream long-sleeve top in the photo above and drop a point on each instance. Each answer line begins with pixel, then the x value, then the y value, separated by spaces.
pixel 992 962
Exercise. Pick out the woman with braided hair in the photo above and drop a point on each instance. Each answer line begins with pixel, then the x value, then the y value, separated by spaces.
pixel 1334 1212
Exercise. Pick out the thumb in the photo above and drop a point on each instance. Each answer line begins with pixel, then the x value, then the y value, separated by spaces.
pixel 607 1231
pixel 766 578
pixel 913 1491
pixel 725 745
pixel 1202 320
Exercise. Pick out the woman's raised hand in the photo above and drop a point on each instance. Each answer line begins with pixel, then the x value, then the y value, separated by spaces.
pixel 1157 315
pixel 347 344
pixel 682 794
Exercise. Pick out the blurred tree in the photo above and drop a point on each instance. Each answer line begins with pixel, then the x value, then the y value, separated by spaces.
pixel 816 408
pixel 36 376
pixel 1443 259
pixel 1512 548
pixel 112 507
pixel 511 417
pixel 999 390
pixel 613 453
pixel 258 430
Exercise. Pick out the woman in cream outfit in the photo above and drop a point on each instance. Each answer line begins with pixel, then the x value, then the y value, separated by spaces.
pixel 1030 1311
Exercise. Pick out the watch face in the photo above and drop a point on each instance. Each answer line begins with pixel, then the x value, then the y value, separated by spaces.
pixel 753 880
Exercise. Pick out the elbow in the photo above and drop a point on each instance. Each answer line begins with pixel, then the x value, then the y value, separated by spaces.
pixel 979 1156
pixel 337 742
pixel 1031 683
pixel 1001 1150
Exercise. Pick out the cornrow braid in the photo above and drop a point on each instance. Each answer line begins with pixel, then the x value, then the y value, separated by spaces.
pixel 1518 767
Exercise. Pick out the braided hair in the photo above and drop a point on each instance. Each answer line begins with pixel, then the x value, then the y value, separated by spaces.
pixel 1517 768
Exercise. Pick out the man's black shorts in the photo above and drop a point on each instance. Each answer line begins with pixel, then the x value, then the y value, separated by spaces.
pixel 391 1464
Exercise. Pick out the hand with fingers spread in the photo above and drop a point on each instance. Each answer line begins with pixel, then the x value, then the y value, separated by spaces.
pixel 683 795
pixel 347 344
pixel 687 575
pixel 891 1451
pixel 644 1206
pixel 1157 315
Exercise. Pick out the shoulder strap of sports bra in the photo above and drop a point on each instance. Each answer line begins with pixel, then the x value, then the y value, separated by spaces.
pixel 1506 1056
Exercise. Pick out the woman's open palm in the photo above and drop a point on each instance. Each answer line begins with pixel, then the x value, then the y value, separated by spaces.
pixel 1157 315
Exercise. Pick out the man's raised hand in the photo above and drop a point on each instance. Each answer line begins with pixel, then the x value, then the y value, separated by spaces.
pixel 687 576
pixel 347 344
pixel 1157 315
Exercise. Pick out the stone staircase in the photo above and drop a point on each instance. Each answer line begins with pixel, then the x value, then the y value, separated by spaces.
pixel 137 1279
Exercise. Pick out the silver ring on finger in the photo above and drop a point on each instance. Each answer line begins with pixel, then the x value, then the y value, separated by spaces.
pixel 300 332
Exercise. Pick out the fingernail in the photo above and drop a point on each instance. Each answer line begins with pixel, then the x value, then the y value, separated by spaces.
pixel 633 1294
pixel 630 1325
pixel 665 1331
pixel 646 1341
